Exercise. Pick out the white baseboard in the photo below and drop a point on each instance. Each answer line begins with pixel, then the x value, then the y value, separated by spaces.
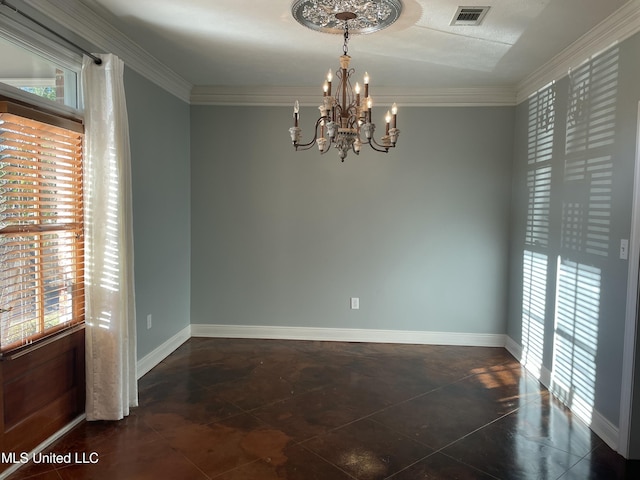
pixel 607 431
pixel 53 438
pixel 154 357
pixel 348 335
pixel 602 427
pixel 513 347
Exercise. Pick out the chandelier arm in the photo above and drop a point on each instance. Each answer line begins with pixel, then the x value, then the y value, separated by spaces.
pixel 386 147
pixel 303 147
pixel 383 149
pixel 307 146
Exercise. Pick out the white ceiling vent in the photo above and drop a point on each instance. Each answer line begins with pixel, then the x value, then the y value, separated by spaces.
pixel 469 16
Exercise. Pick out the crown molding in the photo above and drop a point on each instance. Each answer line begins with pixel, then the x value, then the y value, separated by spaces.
pixel 619 26
pixel 82 20
pixel 414 97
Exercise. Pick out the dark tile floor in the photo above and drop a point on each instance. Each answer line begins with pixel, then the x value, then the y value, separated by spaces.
pixel 263 409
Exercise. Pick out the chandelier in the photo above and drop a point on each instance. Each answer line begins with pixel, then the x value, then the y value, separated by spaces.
pixel 345 116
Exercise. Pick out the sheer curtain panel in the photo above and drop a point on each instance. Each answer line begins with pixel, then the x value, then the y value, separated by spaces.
pixel 110 298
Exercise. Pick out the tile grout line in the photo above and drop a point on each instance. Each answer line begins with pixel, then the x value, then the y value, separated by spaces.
pixel 326 460
pixel 252 411
pixel 368 416
pixel 165 441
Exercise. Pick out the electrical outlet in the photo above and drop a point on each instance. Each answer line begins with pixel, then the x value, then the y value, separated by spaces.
pixel 149 322
pixel 355 303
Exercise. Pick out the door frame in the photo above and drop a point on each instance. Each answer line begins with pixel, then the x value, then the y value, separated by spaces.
pixel 631 315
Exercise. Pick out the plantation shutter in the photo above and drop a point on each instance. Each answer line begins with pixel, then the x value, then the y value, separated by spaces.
pixel 41 225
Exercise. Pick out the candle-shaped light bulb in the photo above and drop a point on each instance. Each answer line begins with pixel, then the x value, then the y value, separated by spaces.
pixel 387 117
pixel 329 76
pixel 325 88
pixel 369 103
pixel 366 84
pixel 296 109
pixel 357 88
pixel 394 111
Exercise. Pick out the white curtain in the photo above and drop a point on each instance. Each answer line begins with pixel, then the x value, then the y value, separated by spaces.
pixel 110 299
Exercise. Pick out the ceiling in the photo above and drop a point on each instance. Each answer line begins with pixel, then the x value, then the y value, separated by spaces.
pixel 258 43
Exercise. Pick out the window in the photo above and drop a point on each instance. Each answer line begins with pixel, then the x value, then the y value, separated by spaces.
pixel 39 72
pixel 41 225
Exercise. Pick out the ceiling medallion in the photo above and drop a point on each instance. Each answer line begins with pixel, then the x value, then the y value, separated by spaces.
pixel 361 16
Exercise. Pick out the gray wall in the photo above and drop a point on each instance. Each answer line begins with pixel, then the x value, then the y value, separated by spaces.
pixel 160 151
pixel 419 235
pixel 589 211
pixel 248 232
pixel 159 131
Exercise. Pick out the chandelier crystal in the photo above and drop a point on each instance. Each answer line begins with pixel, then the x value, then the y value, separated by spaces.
pixel 345 117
